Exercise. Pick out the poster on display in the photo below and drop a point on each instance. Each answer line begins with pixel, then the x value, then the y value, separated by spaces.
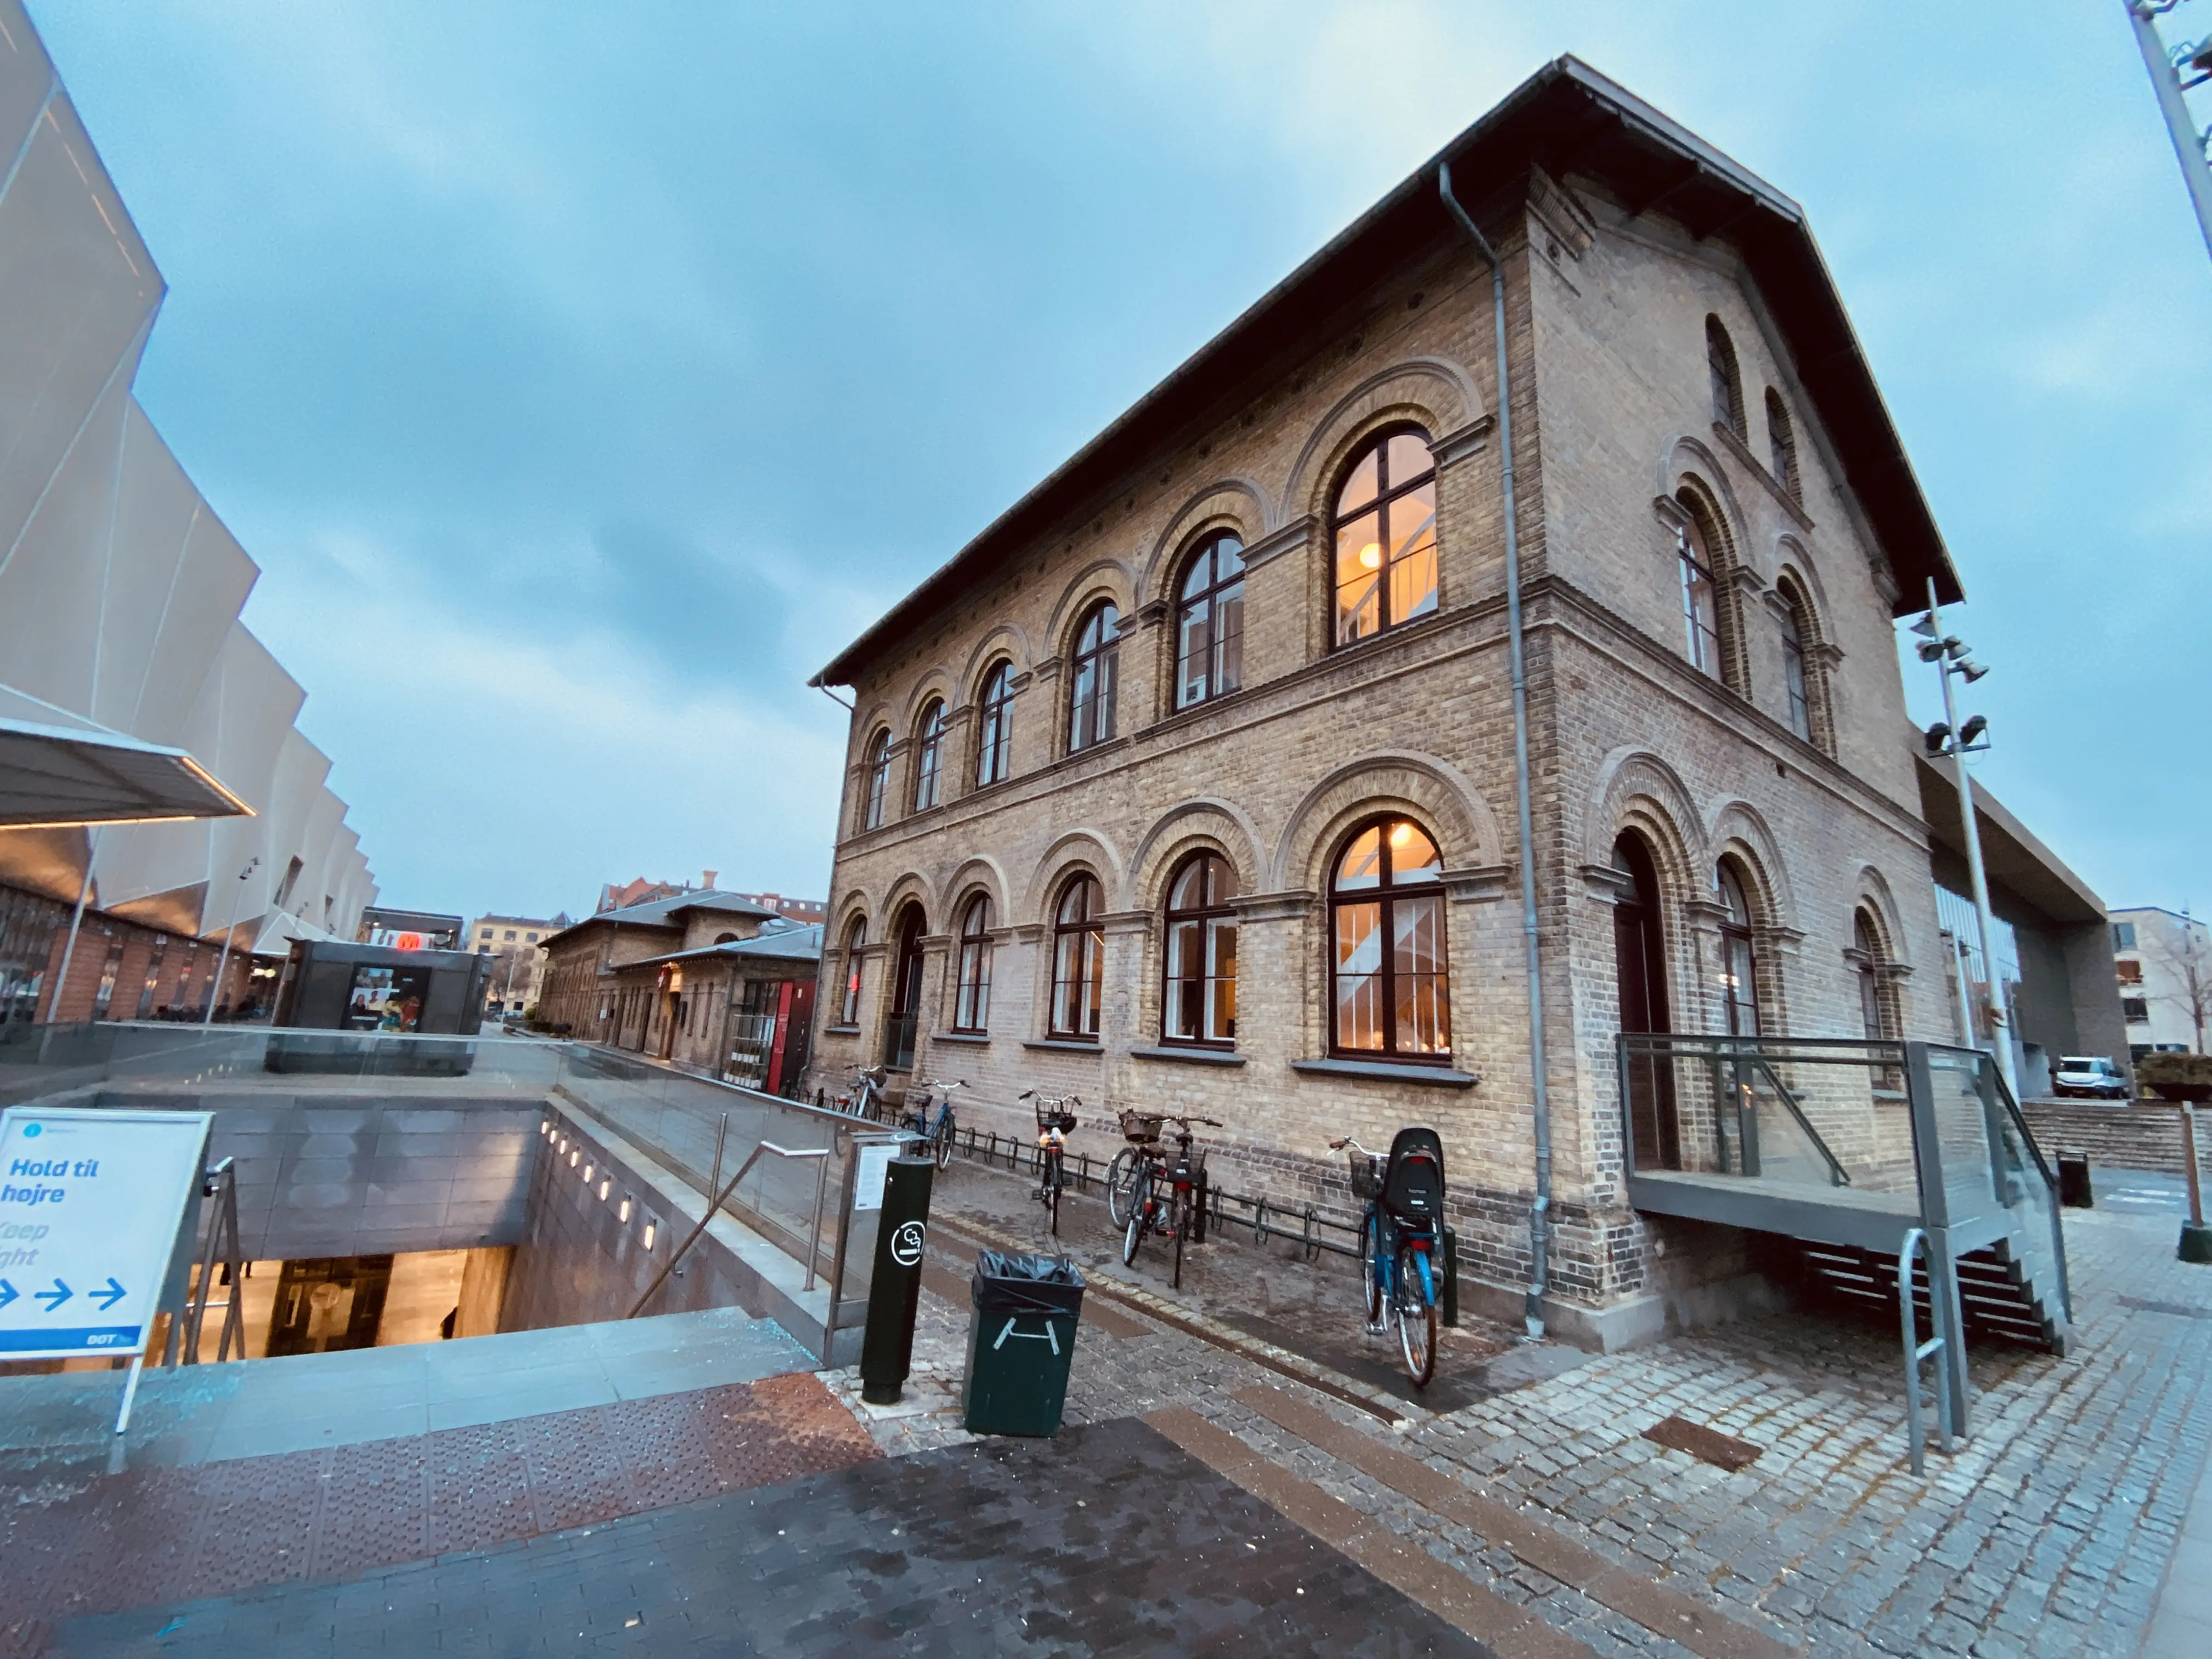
pixel 90 1205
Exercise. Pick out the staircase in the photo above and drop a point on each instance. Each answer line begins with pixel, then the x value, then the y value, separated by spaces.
pixel 1997 1292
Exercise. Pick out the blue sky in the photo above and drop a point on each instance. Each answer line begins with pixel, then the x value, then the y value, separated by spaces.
pixel 582 377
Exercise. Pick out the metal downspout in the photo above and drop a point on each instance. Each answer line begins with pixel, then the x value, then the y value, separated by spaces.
pixel 1540 1212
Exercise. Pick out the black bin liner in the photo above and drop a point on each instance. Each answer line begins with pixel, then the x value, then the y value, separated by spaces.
pixel 1021 1342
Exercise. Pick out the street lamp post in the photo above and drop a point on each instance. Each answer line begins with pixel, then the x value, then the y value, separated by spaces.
pixel 1949 654
pixel 2167 67
pixel 223 961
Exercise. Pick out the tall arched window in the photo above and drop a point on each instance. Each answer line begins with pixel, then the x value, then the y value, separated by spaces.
pixel 1782 438
pixel 1793 671
pixel 1200 1000
pixel 1728 385
pixel 900 1030
pixel 876 788
pixel 1210 622
pixel 1804 670
pixel 1639 963
pixel 994 737
pixel 971 1007
pixel 856 940
pixel 1388 983
pixel 929 756
pixel 1739 962
pixel 1079 952
pixel 1701 605
pixel 1095 674
pixel 1874 1002
pixel 1385 526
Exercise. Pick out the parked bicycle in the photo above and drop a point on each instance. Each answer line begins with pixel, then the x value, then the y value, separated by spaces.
pixel 1056 1116
pixel 1166 1193
pixel 1402 1240
pixel 866 1098
pixel 937 1133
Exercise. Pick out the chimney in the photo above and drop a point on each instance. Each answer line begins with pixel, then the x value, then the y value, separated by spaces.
pixel 708 879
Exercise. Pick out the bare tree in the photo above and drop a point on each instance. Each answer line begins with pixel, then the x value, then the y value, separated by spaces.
pixel 510 967
pixel 2186 963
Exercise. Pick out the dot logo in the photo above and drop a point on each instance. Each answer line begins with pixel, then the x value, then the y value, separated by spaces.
pixel 905 1243
pixel 32 1132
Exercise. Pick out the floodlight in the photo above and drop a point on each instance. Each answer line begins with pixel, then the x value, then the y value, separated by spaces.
pixel 1935 737
pixel 1972 730
pixel 1954 646
pixel 1926 626
pixel 1929 650
pixel 1970 671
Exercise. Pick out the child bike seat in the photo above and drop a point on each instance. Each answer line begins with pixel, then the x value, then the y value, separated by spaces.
pixel 1413 1182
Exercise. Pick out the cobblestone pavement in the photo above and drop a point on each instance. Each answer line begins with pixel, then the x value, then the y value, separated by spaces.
pixel 76 1542
pixel 1108 1541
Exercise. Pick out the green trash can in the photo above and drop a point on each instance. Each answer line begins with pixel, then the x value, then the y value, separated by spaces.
pixel 1021 1341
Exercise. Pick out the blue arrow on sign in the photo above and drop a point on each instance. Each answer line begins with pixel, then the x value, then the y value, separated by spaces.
pixel 108 1297
pixel 8 1294
pixel 56 1297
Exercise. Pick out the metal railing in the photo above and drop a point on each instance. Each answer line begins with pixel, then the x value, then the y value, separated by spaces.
pixel 1943 1316
pixel 221 1248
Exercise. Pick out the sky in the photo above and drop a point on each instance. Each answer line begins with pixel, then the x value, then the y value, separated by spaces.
pixel 582 377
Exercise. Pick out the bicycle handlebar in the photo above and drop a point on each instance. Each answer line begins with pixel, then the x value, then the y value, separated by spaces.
pixel 1339 1145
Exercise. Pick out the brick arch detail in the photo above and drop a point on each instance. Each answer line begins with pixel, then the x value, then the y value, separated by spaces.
pixel 1236 503
pixel 1077 849
pixel 1435 391
pixel 1634 788
pixel 1102 579
pixel 1688 462
pixel 1204 821
pixel 1004 640
pixel 1739 828
pixel 1871 891
pixel 1432 790
pixel 913 886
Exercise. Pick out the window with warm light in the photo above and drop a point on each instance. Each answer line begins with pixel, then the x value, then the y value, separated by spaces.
pixel 1384 526
pixel 1094 678
pixel 971 1008
pixel 877 788
pixel 1079 952
pixel 994 736
pixel 856 937
pixel 1739 963
pixel 1389 985
pixel 1199 1003
pixel 928 755
pixel 1210 621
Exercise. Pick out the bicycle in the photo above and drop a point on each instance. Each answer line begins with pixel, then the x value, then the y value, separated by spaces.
pixel 1056 1116
pixel 1174 1214
pixel 866 1100
pixel 1401 1240
pixel 938 1135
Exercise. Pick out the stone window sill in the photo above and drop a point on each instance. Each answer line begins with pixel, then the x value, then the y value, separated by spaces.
pixel 978 1038
pixel 841 1031
pixel 1434 1077
pixel 1192 1056
pixel 1063 1045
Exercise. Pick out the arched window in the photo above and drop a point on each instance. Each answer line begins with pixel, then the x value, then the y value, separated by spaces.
pixel 905 1019
pixel 1739 962
pixel 929 756
pixel 994 738
pixel 1388 983
pixel 1804 671
pixel 876 790
pixel 1873 999
pixel 1385 526
pixel 1782 436
pixel 1793 669
pixel 1639 962
pixel 1701 604
pixel 1079 951
pixel 972 1007
pixel 856 938
pixel 1210 622
pixel 1728 385
pixel 1095 674
pixel 1200 1000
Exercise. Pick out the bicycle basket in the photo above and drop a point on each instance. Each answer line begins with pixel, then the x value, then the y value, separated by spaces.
pixel 1054 1117
pixel 1142 1127
pixel 1367 1173
pixel 1191 1169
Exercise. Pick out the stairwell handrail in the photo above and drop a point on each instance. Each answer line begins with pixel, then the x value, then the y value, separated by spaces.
pixel 1842 1177
pixel 1916 1353
pixel 2049 1186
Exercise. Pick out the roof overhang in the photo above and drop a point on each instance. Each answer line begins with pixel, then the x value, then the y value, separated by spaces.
pixel 55 775
pixel 1570 121
pixel 2015 858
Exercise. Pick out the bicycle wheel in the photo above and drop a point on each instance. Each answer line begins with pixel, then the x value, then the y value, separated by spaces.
pixel 1372 1273
pixel 1182 1219
pixel 1121 1175
pixel 1052 1176
pixel 1140 1203
pixel 944 1129
pixel 1417 1319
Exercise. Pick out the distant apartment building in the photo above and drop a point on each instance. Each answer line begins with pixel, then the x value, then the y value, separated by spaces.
pixel 516 946
pixel 2164 962
pixel 710 980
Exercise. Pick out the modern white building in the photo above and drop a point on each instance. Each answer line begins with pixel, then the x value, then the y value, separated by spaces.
pixel 2164 962
pixel 151 777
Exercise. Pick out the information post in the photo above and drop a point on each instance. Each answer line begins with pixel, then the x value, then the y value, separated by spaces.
pixel 91 1203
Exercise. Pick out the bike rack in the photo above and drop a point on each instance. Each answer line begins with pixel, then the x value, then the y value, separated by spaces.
pixel 1918 1353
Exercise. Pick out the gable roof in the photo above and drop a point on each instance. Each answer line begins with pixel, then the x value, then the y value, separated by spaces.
pixel 664 912
pixel 1566 119
pixel 802 944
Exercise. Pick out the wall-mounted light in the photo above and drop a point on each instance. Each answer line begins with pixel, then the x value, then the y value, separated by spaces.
pixel 605 1187
pixel 545 1127
pixel 575 1157
pixel 622 1210
pixel 588 1175
pixel 652 1231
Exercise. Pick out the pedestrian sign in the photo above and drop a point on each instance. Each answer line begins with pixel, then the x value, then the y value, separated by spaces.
pixel 91 1203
